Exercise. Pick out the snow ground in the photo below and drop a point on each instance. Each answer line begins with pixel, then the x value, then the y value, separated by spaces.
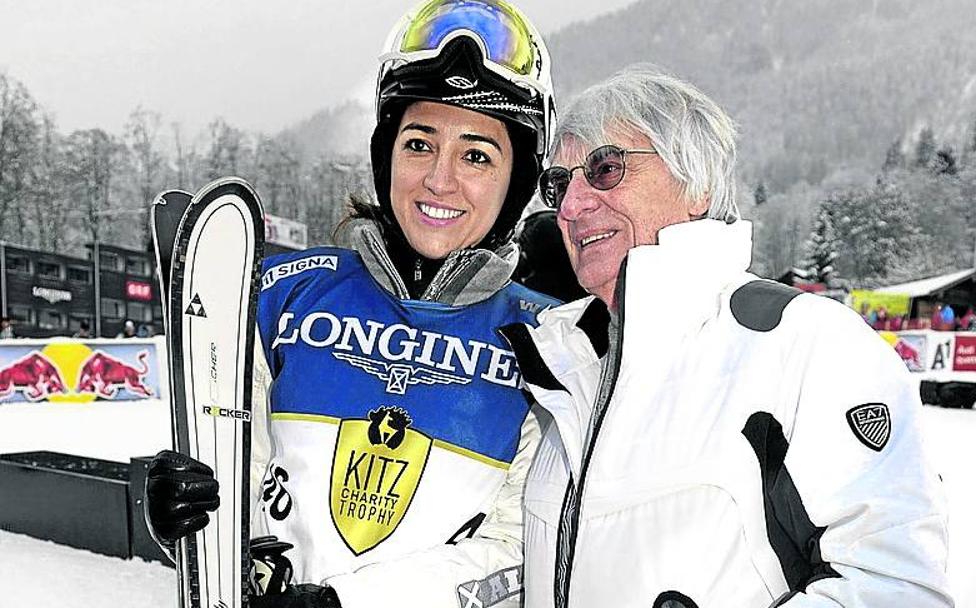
pixel 42 574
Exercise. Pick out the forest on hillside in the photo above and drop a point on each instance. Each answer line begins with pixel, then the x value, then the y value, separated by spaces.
pixel 60 191
pixel 857 136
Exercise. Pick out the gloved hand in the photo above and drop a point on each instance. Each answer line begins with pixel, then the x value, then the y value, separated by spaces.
pixel 179 492
pixel 298 596
pixel 270 569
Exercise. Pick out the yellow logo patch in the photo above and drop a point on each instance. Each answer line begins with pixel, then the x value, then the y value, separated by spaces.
pixel 377 466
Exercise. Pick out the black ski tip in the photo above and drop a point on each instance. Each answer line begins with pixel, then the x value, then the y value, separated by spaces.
pixel 180 198
pixel 228 185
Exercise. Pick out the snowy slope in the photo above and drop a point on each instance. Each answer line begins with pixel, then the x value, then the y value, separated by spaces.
pixel 108 430
pixel 42 574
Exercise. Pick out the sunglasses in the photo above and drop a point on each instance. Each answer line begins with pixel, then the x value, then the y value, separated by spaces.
pixel 603 168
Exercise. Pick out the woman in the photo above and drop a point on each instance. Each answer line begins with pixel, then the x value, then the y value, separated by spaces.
pixel 397 439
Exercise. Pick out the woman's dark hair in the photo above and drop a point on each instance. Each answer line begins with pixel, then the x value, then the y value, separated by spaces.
pixel 359 207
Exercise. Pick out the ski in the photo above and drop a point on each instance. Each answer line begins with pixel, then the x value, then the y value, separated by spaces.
pixel 165 215
pixel 211 297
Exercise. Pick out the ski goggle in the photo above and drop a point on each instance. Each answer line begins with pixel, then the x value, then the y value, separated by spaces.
pixel 603 169
pixel 507 40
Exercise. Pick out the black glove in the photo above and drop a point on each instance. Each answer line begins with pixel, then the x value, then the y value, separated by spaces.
pixel 270 569
pixel 298 596
pixel 179 492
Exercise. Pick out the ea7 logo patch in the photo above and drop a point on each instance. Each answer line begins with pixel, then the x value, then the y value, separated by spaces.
pixel 871 424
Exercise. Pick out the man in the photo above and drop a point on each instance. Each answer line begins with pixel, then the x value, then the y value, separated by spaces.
pixel 717 440
pixel 128 330
pixel 84 331
pixel 6 328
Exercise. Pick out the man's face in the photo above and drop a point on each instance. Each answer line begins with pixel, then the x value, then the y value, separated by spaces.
pixel 599 227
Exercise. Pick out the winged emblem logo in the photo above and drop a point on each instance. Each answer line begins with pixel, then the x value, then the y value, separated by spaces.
pixel 400 376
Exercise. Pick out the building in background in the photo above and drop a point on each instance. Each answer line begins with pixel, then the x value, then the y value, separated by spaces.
pixel 48 294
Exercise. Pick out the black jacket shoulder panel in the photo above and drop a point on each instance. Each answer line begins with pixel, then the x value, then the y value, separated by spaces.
pixel 759 305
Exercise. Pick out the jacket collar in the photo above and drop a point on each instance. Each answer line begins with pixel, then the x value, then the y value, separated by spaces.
pixel 673 287
pixel 668 290
pixel 466 277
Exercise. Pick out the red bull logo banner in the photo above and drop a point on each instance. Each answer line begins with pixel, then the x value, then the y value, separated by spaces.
pixel 72 371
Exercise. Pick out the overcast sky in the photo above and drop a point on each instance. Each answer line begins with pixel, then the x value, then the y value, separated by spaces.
pixel 262 65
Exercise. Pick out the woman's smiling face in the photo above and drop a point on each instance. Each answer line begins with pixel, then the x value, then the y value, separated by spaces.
pixel 450 173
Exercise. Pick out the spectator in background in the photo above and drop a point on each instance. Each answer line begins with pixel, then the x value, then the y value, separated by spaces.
pixel 967 322
pixel 948 318
pixel 84 331
pixel 872 317
pixel 898 323
pixel 6 328
pixel 128 330
pixel 937 317
pixel 881 319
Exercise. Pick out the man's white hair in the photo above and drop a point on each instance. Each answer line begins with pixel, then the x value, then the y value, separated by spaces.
pixel 693 135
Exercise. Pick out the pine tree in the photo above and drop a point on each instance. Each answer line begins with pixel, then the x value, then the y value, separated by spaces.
pixel 760 195
pixel 945 162
pixel 925 148
pixel 894 158
pixel 820 250
pixel 874 230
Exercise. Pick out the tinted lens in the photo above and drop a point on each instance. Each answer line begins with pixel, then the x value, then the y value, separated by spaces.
pixel 499 26
pixel 553 184
pixel 605 167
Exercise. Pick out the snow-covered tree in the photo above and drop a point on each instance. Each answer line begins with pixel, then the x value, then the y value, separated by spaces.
pixel 874 231
pixel 760 195
pixel 925 148
pixel 945 161
pixel 894 157
pixel 820 250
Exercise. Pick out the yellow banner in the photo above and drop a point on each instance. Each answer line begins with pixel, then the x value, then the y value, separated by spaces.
pixel 866 302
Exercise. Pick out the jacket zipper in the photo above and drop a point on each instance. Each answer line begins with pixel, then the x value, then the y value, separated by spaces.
pixel 379 252
pixel 451 268
pixel 569 515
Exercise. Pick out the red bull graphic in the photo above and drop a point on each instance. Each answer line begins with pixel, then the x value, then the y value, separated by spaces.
pixel 912 355
pixel 73 371
pixel 34 375
pixel 105 375
pixel 910 347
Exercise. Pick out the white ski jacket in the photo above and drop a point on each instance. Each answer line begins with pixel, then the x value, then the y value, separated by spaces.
pixel 390 437
pixel 724 442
